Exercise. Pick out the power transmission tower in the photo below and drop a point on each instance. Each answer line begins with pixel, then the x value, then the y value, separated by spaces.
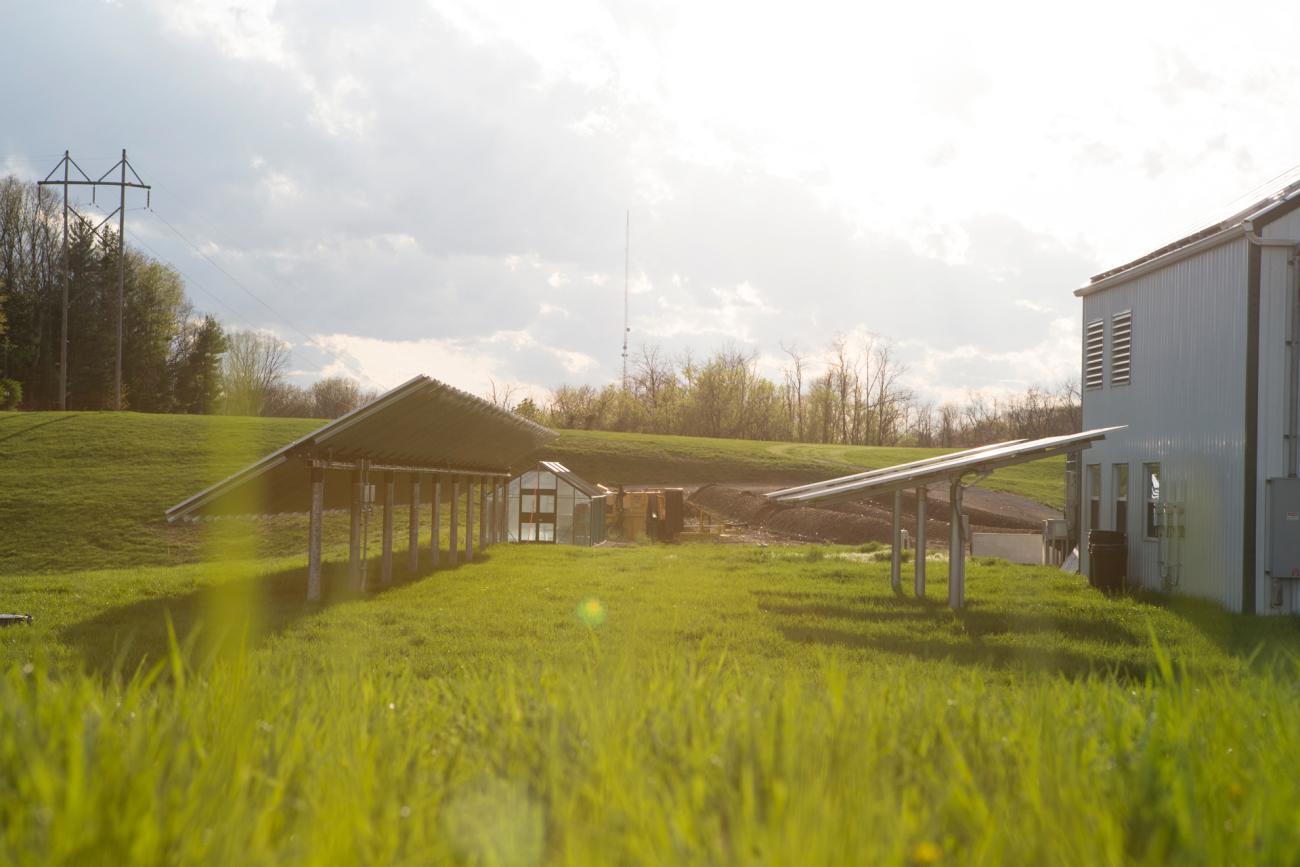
pixel 122 184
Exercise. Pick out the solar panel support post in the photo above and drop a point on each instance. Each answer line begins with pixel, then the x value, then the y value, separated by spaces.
pixel 896 556
pixel 314 533
pixel 502 510
pixel 354 534
pixel 453 538
pixel 435 535
pixel 918 562
pixel 413 527
pixel 390 503
pixel 482 514
pixel 469 519
pixel 490 513
pixel 956 550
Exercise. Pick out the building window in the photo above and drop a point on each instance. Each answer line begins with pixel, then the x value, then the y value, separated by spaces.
pixel 1094 354
pixel 1151 472
pixel 1121 348
pixel 1094 496
pixel 1120 481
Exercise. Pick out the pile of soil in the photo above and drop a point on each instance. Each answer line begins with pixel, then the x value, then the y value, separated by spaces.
pixel 850 523
pixel 734 504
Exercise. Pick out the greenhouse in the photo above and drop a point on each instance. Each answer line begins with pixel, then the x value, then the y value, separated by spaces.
pixel 551 504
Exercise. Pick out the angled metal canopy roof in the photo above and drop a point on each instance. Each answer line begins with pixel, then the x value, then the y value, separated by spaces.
pixel 944 468
pixel 422 425
pixel 785 493
pixel 952 469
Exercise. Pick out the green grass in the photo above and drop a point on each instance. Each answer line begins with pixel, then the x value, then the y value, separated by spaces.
pixel 88 490
pixel 736 704
pixel 695 704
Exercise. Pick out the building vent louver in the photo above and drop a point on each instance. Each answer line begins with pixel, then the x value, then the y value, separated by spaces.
pixel 1121 348
pixel 1094 354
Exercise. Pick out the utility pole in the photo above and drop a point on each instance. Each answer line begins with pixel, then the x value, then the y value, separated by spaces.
pixel 122 184
pixel 63 333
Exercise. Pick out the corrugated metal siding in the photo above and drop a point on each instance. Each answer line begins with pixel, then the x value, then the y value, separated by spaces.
pixel 1185 409
pixel 1277 297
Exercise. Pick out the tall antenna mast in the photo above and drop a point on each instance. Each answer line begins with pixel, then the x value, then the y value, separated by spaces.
pixel 627 271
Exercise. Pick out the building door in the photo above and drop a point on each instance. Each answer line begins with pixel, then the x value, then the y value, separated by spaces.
pixel 537 507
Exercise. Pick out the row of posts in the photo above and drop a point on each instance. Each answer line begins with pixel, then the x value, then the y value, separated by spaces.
pixel 956 547
pixel 491 508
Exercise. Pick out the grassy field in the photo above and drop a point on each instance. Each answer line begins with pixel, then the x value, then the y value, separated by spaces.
pixel 685 704
pixel 90 489
pixel 177 701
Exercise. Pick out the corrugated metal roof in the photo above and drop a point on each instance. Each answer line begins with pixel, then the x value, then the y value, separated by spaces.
pixel 974 462
pixel 1260 211
pixel 563 472
pixel 423 423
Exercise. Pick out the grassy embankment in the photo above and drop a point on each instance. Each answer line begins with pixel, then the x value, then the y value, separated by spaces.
pixel 90 488
pixel 678 704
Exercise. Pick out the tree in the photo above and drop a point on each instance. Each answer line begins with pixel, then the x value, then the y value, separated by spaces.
pixel 528 408
pixel 253 366
pixel 197 365
pixel 335 396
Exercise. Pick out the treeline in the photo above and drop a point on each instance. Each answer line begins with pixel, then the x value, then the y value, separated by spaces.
pixel 857 397
pixel 173 358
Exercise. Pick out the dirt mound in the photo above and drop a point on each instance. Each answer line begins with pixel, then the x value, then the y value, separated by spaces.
pixel 814 525
pixel 735 504
pixel 823 525
pixel 849 523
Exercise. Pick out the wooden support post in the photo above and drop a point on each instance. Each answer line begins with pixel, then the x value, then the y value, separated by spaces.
pixel 482 514
pixel 354 535
pixel 956 550
pixel 315 530
pixel 435 543
pixel 896 556
pixel 390 503
pixel 413 530
pixel 919 562
pixel 454 536
pixel 469 519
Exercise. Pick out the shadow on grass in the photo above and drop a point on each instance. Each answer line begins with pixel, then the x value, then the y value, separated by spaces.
pixel 246 609
pixel 993 638
pixel 31 427
pixel 1263 637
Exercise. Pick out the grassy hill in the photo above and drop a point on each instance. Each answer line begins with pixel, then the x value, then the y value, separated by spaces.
pixel 551 705
pixel 88 490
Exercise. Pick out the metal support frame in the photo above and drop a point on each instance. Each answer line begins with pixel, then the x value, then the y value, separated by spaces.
pixel 503 512
pixel 896 556
pixel 469 518
pixel 390 503
pixel 956 549
pixel 354 533
pixel 334 464
pixel 482 514
pixel 315 531
pixel 453 537
pixel 413 528
pixel 918 562
pixel 435 540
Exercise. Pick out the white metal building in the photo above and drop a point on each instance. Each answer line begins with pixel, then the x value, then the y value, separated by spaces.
pixel 1191 347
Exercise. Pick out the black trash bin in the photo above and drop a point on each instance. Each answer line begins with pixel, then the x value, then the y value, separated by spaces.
pixel 1107 560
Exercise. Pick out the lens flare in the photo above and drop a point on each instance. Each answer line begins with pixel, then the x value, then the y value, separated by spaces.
pixel 591 612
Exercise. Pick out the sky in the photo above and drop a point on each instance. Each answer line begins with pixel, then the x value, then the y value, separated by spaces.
pixel 443 187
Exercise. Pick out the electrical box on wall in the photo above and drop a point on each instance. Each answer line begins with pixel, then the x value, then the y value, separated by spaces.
pixel 1284 528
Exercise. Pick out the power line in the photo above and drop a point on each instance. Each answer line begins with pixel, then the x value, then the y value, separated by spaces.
pixel 311 341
